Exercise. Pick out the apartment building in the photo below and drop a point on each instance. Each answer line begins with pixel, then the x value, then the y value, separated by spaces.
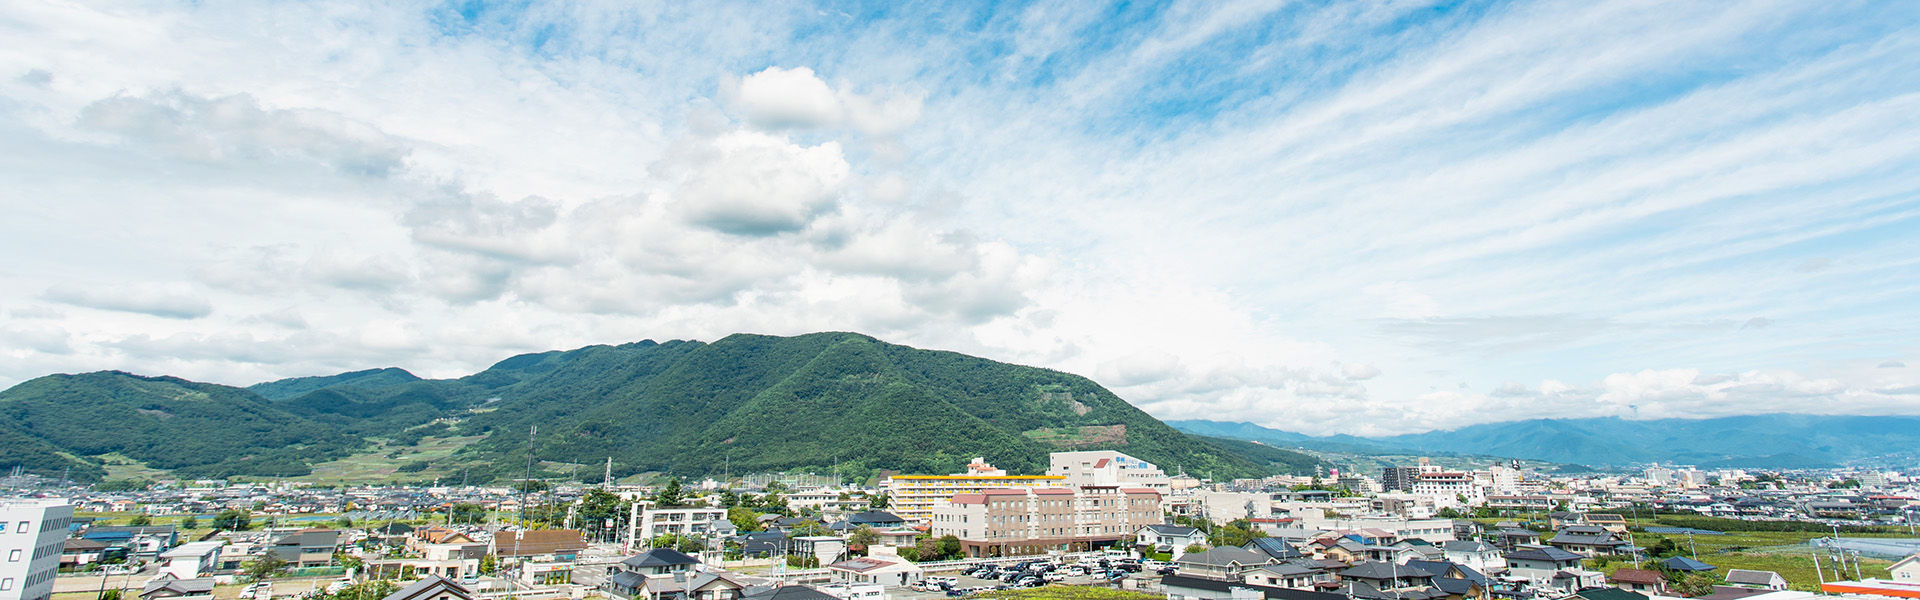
pixel 1109 468
pixel 648 520
pixel 32 534
pixel 1009 522
pixel 914 497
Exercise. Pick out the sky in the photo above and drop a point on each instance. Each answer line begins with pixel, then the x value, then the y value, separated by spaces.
pixel 1368 218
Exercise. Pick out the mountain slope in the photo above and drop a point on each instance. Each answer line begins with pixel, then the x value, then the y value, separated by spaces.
pixel 168 423
pixel 810 402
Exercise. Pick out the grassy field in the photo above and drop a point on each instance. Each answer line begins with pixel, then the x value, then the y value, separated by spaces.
pixel 382 463
pixel 1786 553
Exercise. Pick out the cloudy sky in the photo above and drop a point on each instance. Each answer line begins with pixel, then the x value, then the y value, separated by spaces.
pixel 1356 217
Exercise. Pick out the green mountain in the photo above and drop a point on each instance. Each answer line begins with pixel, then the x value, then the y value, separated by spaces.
pixel 814 402
pixel 194 429
pixel 748 403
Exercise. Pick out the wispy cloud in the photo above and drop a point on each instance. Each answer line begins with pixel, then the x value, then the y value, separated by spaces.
pixel 1324 217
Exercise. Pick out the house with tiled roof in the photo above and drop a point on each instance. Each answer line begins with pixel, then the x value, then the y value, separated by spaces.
pixel 884 570
pixel 1766 580
pixel 1645 581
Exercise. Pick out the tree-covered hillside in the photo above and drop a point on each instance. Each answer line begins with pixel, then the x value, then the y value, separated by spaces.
pixel 751 403
pixel 761 403
pixel 169 423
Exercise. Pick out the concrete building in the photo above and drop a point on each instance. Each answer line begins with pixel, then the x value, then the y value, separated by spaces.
pixel 1008 522
pixel 1109 468
pixel 191 560
pixel 914 497
pixel 32 535
pixel 647 521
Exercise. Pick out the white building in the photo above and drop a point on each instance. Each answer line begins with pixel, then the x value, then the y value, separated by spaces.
pixel 1111 468
pixel 647 521
pixel 191 560
pixel 32 535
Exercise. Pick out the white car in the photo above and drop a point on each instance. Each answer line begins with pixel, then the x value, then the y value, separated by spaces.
pixel 257 590
pixel 335 587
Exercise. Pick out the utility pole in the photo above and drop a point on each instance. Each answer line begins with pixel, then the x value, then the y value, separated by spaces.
pixel 606 481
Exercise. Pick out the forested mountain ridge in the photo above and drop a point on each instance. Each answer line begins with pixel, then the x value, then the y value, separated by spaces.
pixel 749 403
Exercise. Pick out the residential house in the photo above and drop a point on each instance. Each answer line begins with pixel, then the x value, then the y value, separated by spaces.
pixel 1645 581
pixel 884 570
pixel 664 564
pixel 1274 548
pixel 192 560
pixel 1766 580
pixel 1606 593
pixel 307 547
pixel 710 585
pixel 1512 538
pixel 1372 576
pixel 1224 563
pixel 824 549
pixel 1587 540
pixel 877 519
pixel 79 552
pixel 1540 563
pixel 544 544
pixel 166 586
pixel 1907 570
pixel 1172 539
pixel 1295 574
pixel 1181 587
pixel 1477 555
pixel 433 587
pixel 1610 522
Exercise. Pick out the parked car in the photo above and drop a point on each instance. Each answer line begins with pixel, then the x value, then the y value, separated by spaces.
pixel 257 590
pixel 335 587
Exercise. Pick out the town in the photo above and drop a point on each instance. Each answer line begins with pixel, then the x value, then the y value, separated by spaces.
pixel 1099 520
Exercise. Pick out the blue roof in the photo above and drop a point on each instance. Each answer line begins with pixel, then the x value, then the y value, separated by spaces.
pixel 1682 563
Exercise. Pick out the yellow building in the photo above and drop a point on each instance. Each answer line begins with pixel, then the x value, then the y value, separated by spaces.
pixel 913 497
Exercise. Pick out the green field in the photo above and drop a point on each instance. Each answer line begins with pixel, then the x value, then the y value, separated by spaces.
pixel 1786 553
pixel 382 463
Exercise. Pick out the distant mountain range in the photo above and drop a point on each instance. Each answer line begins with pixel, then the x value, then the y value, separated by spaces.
pixel 745 403
pixel 1758 441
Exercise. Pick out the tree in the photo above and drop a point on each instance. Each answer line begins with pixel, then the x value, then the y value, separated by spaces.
pixel 190 523
pixel 344 522
pixel 744 518
pixel 950 546
pixel 1694 585
pixel 140 521
pixel 264 567
pixel 232 520
pixel 863 538
pixel 671 495
pixel 1664 548
pixel 879 501
pixel 465 512
pixel 113 594
pixel 348 560
pixel 1193 548
pixel 806 528
pixel 488 564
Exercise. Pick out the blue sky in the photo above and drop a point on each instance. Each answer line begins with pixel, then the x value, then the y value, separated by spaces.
pixel 1353 217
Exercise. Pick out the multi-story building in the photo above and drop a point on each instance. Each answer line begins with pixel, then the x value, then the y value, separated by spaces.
pixel 1448 489
pixel 648 520
pixel 32 535
pixel 1008 522
pixel 1107 467
pixel 1399 479
pixel 914 497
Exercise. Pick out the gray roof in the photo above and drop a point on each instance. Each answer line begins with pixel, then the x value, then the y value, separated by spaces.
pixel 790 592
pixel 430 587
pixel 1744 576
pixel 1225 556
pixel 1468 546
pixel 1382 570
pixel 659 557
pixel 198 585
pixel 1289 570
pixel 1550 554
pixel 1173 530
pixel 1275 548
pixel 1682 563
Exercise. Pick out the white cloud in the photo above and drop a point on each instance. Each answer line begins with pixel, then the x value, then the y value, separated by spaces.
pixel 171 301
pixel 1360 371
pixel 778 98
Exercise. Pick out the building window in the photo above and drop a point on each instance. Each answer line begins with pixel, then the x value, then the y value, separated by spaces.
pixel 6 584
pixel 23 527
pixel 13 556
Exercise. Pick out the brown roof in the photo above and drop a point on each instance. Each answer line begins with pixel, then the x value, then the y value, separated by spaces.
pixel 1642 576
pixel 534 543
